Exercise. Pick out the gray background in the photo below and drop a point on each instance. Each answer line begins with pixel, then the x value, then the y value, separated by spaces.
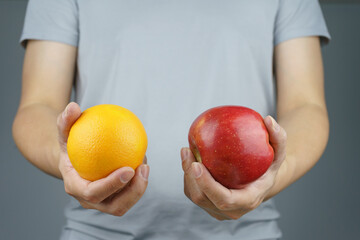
pixel 322 205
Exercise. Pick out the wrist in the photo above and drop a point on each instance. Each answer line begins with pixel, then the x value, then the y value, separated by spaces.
pixel 55 159
pixel 282 178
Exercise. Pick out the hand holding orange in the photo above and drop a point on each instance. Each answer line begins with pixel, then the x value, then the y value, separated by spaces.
pixel 104 138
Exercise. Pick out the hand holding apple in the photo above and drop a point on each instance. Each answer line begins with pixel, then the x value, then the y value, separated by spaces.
pixel 223 203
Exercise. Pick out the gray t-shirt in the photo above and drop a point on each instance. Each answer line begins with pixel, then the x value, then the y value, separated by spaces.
pixel 168 61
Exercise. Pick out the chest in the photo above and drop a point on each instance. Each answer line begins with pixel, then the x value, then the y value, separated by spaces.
pixel 175 22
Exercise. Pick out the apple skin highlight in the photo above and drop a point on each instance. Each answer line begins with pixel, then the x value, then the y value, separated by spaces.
pixel 233 144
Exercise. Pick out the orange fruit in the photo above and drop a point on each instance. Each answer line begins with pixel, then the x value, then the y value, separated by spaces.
pixel 104 138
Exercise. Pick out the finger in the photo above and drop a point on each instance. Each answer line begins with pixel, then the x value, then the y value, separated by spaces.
pixel 204 191
pixel 218 216
pixel 193 192
pixel 191 189
pixel 95 191
pixel 73 183
pixel 187 158
pixel 101 189
pixel 219 195
pixel 66 119
pixel 119 204
pixel 277 137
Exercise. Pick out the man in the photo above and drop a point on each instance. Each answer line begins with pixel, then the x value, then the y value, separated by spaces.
pixel 168 61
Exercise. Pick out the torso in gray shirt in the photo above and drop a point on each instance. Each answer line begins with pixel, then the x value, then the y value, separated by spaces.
pixel 168 61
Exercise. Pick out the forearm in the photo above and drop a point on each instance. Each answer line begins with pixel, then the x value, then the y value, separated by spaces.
pixel 35 134
pixel 307 129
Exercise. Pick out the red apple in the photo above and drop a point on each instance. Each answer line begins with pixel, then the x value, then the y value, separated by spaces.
pixel 233 144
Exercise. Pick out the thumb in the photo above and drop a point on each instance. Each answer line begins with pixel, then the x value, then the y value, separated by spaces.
pixel 65 121
pixel 277 137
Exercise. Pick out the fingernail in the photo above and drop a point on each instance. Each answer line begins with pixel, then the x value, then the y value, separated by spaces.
pixel 145 172
pixel 184 154
pixel 276 126
pixel 65 112
pixel 126 176
pixel 196 169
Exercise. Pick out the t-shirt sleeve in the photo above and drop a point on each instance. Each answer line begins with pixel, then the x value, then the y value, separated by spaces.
pixel 52 20
pixel 300 18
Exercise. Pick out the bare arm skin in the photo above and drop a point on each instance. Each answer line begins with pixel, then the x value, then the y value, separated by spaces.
pixel 301 107
pixel 41 128
pixel 48 74
pixel 299 138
